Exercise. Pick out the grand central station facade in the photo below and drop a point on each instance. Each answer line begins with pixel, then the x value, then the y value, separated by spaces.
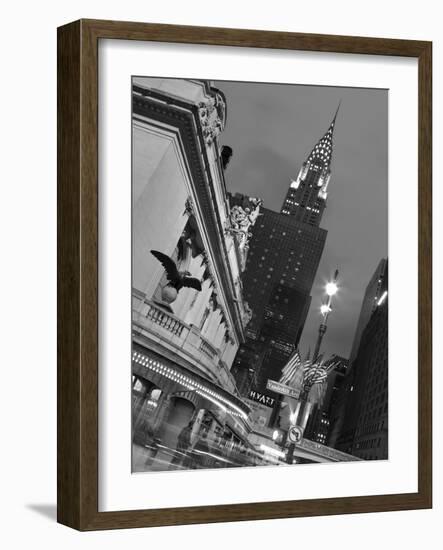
pixel 184 342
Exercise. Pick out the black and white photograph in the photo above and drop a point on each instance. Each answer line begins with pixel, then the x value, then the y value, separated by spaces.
pixel 220 218
pixel 259 274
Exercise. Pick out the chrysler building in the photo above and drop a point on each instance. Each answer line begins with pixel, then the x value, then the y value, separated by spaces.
pixel 306 196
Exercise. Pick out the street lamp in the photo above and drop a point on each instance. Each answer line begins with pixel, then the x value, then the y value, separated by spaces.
pixel 331 289
pixel 325 309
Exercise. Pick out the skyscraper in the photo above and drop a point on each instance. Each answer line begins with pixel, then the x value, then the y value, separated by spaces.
pixel 360 425
pixel 306 196
pixel 282 263
pixel 372 296
pixel 283 258
pixel 370 436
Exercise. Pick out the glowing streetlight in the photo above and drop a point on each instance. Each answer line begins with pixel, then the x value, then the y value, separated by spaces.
pixel 325 309
pixel 331 289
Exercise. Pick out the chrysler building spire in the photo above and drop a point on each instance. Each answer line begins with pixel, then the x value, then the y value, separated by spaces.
pixel 322 152
pixel 306 197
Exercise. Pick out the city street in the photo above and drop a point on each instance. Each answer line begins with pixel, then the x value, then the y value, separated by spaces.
pixel 157 457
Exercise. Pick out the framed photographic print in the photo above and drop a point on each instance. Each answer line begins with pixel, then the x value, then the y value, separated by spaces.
pixel 230 345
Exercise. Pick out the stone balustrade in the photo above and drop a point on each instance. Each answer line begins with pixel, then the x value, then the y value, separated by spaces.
pixel 208 349
pixel 159 325
pixel 165 320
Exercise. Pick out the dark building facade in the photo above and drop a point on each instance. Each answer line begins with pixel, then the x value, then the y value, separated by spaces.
pixel 361 420
pixel 246 365
pixel 281 266
pixel 319 423
pixel 372 295
pixel 283 257
pixel 371 434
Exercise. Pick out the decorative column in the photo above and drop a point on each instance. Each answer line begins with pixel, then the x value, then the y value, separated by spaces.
pixel 229 353
pixel 220 334
pixel 212 325
pixel 140 405
pixel 195 315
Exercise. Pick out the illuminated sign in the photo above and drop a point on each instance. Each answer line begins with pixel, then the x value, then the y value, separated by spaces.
pixel 261 398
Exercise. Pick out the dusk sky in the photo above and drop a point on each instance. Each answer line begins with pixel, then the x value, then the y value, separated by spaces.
pixel 272 129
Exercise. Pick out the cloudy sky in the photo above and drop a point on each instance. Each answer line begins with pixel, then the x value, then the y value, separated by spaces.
pixel 272 128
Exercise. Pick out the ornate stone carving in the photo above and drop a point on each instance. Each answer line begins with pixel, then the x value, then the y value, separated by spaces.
pixel 212 115
pixel 244 218
pixel 169 294
pixel 241 220
pixel 189 207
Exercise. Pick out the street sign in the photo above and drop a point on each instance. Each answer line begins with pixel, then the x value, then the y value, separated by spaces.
pixel 283 389
pixel 295 434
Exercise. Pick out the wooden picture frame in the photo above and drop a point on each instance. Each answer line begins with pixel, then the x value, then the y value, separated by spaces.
pixel 78 274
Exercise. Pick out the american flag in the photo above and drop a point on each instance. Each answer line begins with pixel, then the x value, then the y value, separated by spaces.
pixel 317 373
pixel 290 368
pixel 305 373
pixel 292 373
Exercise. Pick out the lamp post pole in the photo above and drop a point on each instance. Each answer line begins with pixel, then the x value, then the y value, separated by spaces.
pixel 331 289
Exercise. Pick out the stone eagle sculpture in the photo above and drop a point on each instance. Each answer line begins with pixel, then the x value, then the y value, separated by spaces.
pixel 176 279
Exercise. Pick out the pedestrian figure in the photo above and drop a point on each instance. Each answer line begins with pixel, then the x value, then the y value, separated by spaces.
pixel 183 442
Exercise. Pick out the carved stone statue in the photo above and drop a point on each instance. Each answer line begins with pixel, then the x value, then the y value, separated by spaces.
pixel 242 219
pixel 212 115
pixel 256 202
